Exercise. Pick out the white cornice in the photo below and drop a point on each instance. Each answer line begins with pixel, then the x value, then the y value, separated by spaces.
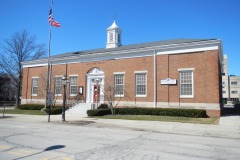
pixel 131 53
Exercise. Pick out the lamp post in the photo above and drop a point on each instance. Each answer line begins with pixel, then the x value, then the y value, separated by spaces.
pixel 97 82
pixel 64 82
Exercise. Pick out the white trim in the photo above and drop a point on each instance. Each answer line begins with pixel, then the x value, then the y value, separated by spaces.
pixel 185 69
pixel 118 72
pixel 141 95
pixel 145 71
pixel 57 76
pixel 73 75
pixel 140 72
pixel 34 86
pixel 188 50
pixel 186 96
pixel 187 47
pixel 70 86
pixel 209 106
pixel 154 79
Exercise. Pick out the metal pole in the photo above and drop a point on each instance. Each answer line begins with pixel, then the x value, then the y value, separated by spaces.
pixel 64 102
pixel 97 96
pixel 48 64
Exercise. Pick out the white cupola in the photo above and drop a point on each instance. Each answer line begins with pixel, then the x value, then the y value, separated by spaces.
pixel 113 36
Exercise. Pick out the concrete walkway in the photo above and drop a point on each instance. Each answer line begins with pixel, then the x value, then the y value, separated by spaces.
pixel 228 127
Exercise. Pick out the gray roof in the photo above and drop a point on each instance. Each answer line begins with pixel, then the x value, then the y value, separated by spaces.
pixel 127 47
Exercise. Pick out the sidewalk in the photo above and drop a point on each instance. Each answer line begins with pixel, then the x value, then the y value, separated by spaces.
pixel 228 127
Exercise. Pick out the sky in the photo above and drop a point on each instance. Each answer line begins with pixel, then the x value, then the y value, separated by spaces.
pixel 84 22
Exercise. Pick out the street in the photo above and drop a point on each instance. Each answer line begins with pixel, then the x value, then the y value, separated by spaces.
pixel 34 138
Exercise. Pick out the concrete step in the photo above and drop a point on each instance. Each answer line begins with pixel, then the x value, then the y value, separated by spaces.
pixel 79 109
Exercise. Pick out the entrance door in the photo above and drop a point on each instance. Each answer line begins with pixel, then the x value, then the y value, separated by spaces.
pixel 96 94
pixel 95 77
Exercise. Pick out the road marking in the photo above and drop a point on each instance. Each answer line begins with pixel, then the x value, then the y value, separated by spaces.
pixel 20 152
pixel 66 158
pixel 17 153
pixel 61 158
pixel 5 147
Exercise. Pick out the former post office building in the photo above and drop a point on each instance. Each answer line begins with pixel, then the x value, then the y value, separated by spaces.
pixel 180 73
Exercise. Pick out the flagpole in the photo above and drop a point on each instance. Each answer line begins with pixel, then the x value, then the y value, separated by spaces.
pixel 48 63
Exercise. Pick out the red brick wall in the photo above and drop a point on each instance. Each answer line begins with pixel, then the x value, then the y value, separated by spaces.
pixel 206 76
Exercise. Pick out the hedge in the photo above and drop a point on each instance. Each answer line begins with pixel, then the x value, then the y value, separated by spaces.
pixel 103 106
pixel 193 113
pixel 31 107
pixel 98 112
pixel 54 110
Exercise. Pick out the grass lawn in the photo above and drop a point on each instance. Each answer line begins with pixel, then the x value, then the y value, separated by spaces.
pixel 162 118
pixel 18 111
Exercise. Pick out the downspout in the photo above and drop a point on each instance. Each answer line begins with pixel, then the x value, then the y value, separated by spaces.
pixel 155 81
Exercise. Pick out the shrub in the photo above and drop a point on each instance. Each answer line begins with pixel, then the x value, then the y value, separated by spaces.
pixel 31 107
pixel 54 110
pixel 193 113
pixel 98 112
pixel 103 106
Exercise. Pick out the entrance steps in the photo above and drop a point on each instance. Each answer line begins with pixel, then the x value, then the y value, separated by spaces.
pixel 79 110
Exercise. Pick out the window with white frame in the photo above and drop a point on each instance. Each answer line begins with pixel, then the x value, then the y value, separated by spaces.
pixel 73 85
pixel 141 84
pixel 234 83
pixel 234 92
pixel 34 86
pixel 186 83
pixel 58 85
pixel 118 84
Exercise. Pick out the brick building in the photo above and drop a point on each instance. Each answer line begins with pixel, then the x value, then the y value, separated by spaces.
pixel 182 73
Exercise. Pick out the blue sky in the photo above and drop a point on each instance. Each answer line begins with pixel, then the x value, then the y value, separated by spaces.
pixel 84 22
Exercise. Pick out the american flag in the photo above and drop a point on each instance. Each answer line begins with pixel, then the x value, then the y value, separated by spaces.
pixel 52 21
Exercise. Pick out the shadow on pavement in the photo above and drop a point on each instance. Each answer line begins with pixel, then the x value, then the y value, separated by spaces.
pixel 45 150
pixel 3 117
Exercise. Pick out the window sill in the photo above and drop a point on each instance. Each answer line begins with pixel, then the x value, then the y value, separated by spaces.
pixel 141 96
pixel 34 95
pixel 73 95
pixel 187 96
pixel 58 95
pixel 119 96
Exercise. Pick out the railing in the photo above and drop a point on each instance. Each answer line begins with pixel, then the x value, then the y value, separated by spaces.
pixel 7 103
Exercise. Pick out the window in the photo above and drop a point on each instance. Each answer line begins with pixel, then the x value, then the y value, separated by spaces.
pixel 224 92
pixel 73 85
pixel 111 37
pixel 119 85
pixel 186 83
pixel 34 86
pixel 234 92
pixel 141 82
pixel 58 85
pixel 234 83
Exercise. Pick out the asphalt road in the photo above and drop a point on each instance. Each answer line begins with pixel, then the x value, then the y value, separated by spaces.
pixel 24 139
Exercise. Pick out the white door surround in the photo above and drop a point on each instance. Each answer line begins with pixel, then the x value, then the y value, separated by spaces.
pixel 93 75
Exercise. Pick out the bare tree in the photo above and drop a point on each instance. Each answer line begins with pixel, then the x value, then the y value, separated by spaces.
pixel 19 48
pixel 109 94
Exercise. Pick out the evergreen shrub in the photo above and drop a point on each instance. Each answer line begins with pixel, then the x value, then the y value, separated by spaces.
pixel 31 106
pixel 103 106
pixel 54 110
pixel 192 113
